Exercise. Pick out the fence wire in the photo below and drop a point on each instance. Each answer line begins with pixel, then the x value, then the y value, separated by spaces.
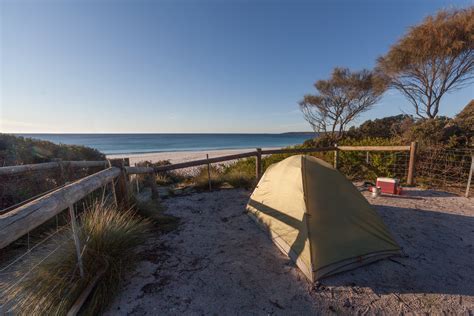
pixel 17 188
pixel 436 168
pixel 444 169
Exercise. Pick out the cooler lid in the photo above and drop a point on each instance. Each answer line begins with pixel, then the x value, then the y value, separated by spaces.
pixel 390 180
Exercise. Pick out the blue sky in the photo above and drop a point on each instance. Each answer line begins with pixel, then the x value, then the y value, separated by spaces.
pixel 190 66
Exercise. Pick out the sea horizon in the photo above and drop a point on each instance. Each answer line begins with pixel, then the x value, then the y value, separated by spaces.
pixel 146 143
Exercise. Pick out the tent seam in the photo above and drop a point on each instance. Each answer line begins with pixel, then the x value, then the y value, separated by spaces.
pixel 307 212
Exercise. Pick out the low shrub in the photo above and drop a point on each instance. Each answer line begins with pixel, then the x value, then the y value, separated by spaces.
pixel 381 164
pixel 237 175
pixel 201 179
pixel 239 179
pixel 161 178
pixel 17 150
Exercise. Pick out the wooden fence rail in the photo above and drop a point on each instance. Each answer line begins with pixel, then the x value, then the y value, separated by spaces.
pixel 373 148
pixel 11 170
pixel 25 218
pixel 297 150
pixel 188 164
pixel 259 152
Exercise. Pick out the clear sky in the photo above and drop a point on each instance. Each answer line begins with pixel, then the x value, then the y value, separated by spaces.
pixel 190 66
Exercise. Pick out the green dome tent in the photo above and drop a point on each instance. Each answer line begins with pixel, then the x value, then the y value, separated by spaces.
pixel 319 218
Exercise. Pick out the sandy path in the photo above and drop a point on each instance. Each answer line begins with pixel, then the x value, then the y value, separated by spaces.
pixel 219 262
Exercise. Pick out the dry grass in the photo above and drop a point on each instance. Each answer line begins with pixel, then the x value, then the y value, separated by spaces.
pixel 108 237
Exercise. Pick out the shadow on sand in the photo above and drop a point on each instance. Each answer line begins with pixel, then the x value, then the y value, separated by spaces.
pixel 439 250
pixel 427 193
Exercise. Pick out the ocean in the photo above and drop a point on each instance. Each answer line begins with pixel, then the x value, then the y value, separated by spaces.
pixel 150 143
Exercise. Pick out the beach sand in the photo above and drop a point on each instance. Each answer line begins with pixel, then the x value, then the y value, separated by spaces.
pixel 219 262
pixel 181 156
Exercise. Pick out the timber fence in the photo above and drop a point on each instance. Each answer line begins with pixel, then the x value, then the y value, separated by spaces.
pixel 25 216
pixel 18 221
pixel 398 161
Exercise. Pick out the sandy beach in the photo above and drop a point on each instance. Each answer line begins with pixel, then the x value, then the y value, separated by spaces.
pixel 181 156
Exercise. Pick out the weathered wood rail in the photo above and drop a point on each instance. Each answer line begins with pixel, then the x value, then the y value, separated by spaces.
pixel 374 148
pixel 25 218
pixel 21 220
pixel 12 170
pixel 259 152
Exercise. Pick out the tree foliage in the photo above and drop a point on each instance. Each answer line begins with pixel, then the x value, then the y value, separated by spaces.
pixel 432 59
pixel 387 127
pixel 340 100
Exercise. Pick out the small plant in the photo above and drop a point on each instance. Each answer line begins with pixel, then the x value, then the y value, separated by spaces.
pixel 201 179
pixel 240 179
pixel 108 237
pixel 237 175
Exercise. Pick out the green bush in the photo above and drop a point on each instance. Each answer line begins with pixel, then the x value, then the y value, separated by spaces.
pixel 381 164
pixel 240 179
pixel 238 175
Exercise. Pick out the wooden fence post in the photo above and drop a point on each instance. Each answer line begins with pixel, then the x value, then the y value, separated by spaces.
pixel 471 171
pixel 208 172
pixel 155 195
pixel 336 156
pixel 151 178
pixel 411 164
pixel 258 164
pixel 136 181
pixel 62 173
pixel 121 187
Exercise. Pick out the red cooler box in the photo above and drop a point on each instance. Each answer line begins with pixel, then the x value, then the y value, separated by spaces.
pixel 388 185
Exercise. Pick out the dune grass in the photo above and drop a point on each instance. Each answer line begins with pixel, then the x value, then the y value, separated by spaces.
pixel 153 210
pixel 108 237
pixel 235 177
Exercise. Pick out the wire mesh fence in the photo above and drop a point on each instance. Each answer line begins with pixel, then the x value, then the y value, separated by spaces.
pixel 436 167
pixel 444 169
pixel 368 165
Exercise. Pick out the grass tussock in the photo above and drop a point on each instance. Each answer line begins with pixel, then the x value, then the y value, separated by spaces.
pixel 154 211
pixel 108 237
pixel 235 177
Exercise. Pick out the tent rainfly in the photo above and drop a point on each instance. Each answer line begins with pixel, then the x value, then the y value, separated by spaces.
pixel 319 218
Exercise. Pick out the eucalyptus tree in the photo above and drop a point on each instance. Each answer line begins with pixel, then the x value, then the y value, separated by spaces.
pixel 340 100
pixel 433 58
